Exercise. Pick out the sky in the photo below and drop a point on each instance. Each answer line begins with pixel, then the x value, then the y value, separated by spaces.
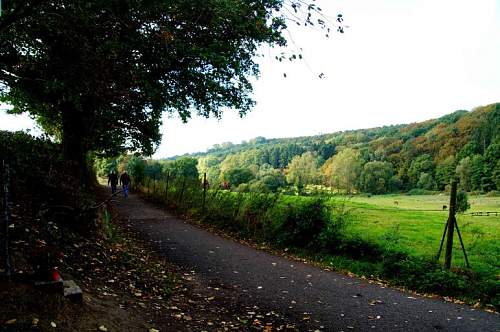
pixel 398 62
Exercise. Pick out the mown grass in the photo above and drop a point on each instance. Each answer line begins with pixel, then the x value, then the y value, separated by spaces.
pixel 419 233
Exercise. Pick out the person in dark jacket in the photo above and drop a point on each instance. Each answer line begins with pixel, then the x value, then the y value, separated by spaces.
pixel 125 182
pixel 113 181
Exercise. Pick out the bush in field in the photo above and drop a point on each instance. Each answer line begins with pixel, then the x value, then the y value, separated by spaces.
pixel 258 186
pixel 332 237
pixel 243 188
pixel 493 193
pixel 273 182
pixel 300 224
pixel 418 191
pixel 462 201
pixel 270 179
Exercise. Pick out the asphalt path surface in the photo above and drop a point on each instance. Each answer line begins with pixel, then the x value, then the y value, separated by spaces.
pixel 299 291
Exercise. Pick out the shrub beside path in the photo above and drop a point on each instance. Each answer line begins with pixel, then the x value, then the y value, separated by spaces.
pixel 308 296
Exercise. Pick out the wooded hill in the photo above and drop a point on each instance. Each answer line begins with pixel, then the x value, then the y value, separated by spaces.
pixel 421 155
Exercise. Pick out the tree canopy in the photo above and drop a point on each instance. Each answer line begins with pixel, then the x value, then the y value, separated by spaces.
pixel 99 73
pixel 424 155
pixel 303 170
pixel 343 169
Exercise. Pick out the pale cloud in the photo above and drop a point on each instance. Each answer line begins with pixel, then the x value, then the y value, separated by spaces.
pixel 399 62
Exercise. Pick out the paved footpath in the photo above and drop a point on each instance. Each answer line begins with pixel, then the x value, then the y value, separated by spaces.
pixel 297 290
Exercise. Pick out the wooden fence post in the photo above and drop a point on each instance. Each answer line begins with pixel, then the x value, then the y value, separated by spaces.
pixel 204 193
pixel 451 225
pixel 154 185
pixel 166 187
pixel 182 190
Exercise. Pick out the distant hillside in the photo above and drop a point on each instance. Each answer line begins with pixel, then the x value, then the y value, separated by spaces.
pixel 428 152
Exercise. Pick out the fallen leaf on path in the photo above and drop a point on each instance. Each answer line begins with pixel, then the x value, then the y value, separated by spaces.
pixel 243 321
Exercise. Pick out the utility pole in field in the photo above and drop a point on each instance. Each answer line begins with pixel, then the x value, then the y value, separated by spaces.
pixel 451 224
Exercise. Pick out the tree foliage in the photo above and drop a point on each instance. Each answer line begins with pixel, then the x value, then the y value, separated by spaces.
pixel 184 167
pixel 376 177
pixel 237 176
pixel 303 170
pixel 445 171
pixel 136 168
pixel 343 169
pixel 464 172
pixel 98 74
pixel 424 155
pixel 462 201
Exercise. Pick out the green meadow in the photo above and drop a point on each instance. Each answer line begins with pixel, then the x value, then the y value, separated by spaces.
pixel 406 222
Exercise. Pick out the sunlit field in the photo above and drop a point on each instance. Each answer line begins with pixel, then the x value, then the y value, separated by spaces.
pixel 407 222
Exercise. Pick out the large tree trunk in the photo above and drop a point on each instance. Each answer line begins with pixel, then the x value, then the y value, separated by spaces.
pixel 74 138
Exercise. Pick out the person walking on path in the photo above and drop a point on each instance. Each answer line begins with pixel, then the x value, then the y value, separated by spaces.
pixel 113 181
pixel 125 182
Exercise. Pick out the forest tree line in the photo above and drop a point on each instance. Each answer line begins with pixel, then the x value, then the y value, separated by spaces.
pixel 422 156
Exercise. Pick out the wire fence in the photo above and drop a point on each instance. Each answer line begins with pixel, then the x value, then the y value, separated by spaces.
pixel 474 214
pixel 483 214
pixel 176 192
pixel 189 192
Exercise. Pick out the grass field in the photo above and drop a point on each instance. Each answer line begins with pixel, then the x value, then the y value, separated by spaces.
pixel 405 225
